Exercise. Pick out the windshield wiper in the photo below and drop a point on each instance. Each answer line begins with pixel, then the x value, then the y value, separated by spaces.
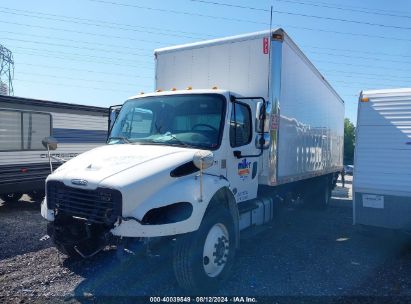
pixel 125 139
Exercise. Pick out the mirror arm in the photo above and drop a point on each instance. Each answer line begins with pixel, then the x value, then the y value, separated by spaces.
pixel 50 163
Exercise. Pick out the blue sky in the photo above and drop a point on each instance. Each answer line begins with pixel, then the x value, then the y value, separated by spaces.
pixel 99 52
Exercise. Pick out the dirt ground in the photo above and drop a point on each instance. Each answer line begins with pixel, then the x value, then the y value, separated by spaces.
pixel 302 253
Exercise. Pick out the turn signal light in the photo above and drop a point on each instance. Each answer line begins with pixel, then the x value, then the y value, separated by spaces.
pixel 365 99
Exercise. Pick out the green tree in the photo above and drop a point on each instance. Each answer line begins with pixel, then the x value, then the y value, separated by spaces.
pixel 349 141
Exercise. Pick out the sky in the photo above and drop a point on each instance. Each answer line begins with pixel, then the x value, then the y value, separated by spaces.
pixel 100 52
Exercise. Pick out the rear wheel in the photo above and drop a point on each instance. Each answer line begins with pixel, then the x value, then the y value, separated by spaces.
pixel 202 260
pixel 11 197
pixel 322 196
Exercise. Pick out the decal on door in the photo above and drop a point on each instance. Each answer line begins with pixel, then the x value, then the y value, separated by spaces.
pixel 244 168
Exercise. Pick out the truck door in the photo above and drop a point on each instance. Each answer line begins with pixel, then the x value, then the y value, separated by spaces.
pixel 242 172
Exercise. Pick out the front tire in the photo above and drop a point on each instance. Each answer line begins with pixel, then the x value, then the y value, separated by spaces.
pixel 11 197
pixel 37 195
pixel 203 259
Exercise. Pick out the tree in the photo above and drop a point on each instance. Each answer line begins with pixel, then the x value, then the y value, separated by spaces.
pixel 349 141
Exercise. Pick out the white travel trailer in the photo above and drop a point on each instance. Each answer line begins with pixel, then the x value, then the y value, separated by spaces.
pixel 382 170
pixel 236 126
pixel 24 123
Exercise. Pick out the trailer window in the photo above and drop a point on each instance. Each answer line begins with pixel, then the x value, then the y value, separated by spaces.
pixel 23 130
pixel 10 130
pixel 240 125
pixel 36 126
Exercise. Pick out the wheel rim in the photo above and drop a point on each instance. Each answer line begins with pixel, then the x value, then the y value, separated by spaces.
pixel 216 249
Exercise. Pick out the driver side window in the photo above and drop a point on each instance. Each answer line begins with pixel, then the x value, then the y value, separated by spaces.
pixel 240 125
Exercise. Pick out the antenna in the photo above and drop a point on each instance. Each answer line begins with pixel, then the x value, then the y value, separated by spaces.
pixel 6 71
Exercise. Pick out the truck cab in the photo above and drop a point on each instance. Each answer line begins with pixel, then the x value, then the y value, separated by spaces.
pixel 170 159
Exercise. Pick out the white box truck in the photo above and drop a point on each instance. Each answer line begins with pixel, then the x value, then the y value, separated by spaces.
pixel 235 126
pixel 382 162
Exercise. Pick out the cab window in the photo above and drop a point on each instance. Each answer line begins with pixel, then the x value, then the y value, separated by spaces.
pixel 240 125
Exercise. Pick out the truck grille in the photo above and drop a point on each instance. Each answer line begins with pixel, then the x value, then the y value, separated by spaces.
pixel 102 205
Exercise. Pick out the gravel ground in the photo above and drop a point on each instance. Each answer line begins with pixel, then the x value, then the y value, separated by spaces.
pixel 302 253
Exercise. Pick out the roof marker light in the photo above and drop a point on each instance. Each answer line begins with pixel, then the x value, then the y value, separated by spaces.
pixel 215 88
pixel 141 93
pixel 158 91
pixel 189 88
pixel 173 89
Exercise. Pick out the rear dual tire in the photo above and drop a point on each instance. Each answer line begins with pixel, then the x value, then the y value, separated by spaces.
pixel 202 260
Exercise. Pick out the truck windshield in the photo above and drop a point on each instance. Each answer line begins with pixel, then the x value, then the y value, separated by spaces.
pixel 193 121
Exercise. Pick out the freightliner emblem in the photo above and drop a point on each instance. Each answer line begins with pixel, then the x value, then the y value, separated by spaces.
pixel 79 182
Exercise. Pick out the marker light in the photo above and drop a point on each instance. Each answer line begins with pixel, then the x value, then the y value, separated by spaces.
pixel 158 91
pixel 278 37
pixel 173 89
pixel 189 88
pixel 365 99
pixel 215 88
pixel 141 93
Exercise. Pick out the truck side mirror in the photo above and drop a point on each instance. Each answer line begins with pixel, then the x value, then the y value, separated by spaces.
pixel 261 124
pixel 262 141
pixel 50 143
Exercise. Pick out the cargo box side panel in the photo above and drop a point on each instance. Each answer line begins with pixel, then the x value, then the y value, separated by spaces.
pixel 382 161
pixel 240 66
pixel 383 144
pixel 311 130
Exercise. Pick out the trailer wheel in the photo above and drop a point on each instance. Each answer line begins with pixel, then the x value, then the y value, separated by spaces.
pixel 11 197
pixel 324 196
pixel 203 259
pixel 37 195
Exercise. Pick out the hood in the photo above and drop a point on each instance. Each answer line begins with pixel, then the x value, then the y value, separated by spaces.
pixel 101 163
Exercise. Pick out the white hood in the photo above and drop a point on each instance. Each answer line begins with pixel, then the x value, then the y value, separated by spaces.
pixel 101 163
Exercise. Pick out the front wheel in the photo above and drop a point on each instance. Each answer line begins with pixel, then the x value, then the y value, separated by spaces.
pixel 37 195
pixel 11 197
pixel 203 259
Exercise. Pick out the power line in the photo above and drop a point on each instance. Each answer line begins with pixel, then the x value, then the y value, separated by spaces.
pixel 75 86
pixel 125 47
pixel 98 23
pixel 74 47
pixel 78 32
pixel 361 65
pixel 53 67
pixel 41 54
pixel 365 10
pixel 78 79
pixel 355 51
pixel 176 12
pixel 142 40
pixel 332 6
pixel 76 41
pixel 360 57
pixel 296 14
pixel 379 76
